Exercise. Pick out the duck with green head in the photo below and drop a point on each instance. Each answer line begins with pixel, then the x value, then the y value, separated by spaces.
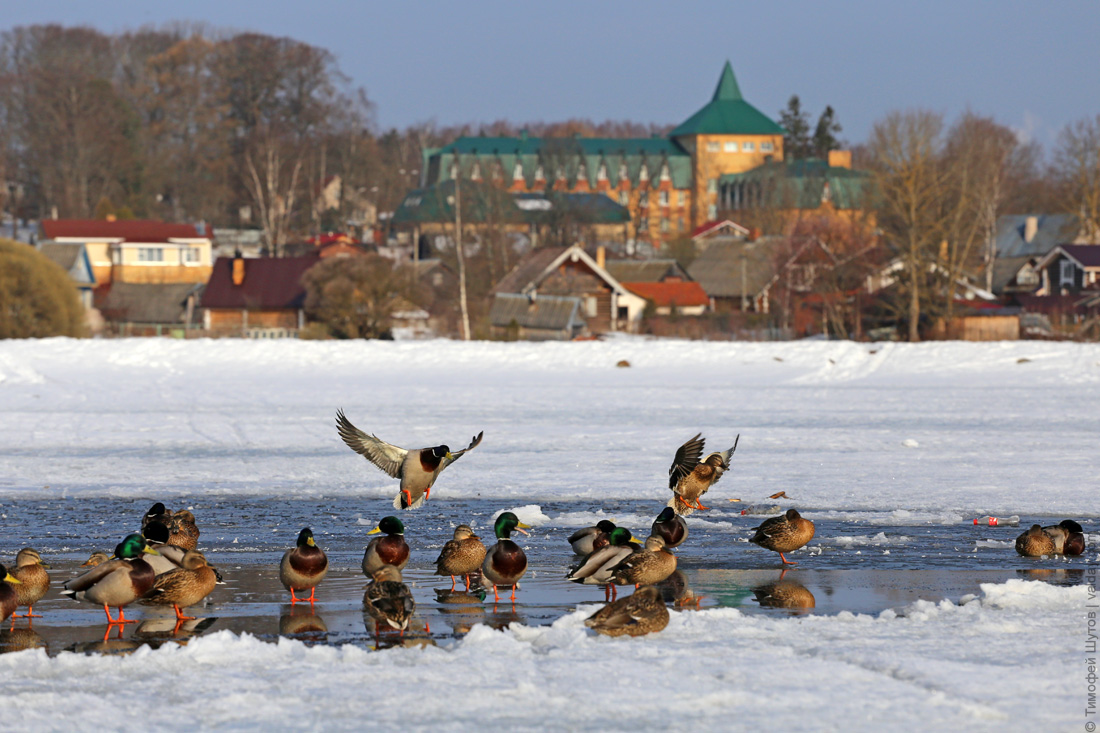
pixel 597 567
pixel 670 527
pixel 118 582
pixel 506 562
pixel 587 540
pixel 303 566
pixel 388 550
pixel 9 598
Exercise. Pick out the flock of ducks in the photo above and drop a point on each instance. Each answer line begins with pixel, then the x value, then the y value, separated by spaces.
pixel 161 565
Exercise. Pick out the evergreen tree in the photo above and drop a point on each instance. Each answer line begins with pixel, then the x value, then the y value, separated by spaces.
pixel 825 134
pixel 796 143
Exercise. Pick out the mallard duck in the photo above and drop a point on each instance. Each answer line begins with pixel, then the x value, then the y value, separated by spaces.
pixel 461 556
pixel 183 532
pixel 1035 543
pixel 785 533
pixel 670 527
pixel 597 566
pixel 650 566
pixel 170 557
pixel 506 562
pixel 641 613
pixel 689 478
pixel 388 599
pixel 1068 537
pixel 389 550
pixel 417 468
pixel 34 581
pixel 303 566
pixel 585 541
pixel 9 597
pixel 118 582
pixel 158 513
pixel 184 586
pixel 96 558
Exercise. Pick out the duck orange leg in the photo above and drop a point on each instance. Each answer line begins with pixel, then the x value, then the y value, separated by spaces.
pixel 453 583
pixel 180 616
pixel 785 560
pixel 121 617
pixel 699 505
pixel 513 591
pixel 467 579
pixel 408 498
pixel 311 592
pixel 293 598
pixel 29 614
pixel 496 593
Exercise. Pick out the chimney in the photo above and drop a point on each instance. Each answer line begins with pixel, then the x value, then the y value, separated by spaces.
pixel 1031 227
pixel 753 235
pixel 238 270
pixel 840 158
pixel 601 257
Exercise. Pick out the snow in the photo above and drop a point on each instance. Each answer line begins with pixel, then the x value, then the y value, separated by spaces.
pixel 925 436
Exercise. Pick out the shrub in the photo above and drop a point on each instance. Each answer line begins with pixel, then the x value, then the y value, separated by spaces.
pixel 37 297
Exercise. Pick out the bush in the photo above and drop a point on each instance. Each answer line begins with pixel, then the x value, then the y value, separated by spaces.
pixel 37 297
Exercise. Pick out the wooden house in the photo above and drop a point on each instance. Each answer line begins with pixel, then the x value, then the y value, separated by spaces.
pixel 256 298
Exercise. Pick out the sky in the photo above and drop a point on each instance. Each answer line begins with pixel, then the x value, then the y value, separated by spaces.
pixel 1032 66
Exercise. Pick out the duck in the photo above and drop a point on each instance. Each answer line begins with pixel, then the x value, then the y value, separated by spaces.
pixel 118 582
pixel 506 562
pixel 597 566
pixel 158 513
pixel 670 527
pixel 183 586
pixel 640 613
pixel 303 566
pixel 9 597
pixel 1068 537
pixel 461 555
pixel 388 600
pixel 588 539
pixel 417 468
pixel 34 581
pixel 389 550
pixel 650 566
pixel 785 533
pixel 689 478
pixel 784 594
pixel 170 557
pixel 183 532
pixel 96 558
pixel 1035 543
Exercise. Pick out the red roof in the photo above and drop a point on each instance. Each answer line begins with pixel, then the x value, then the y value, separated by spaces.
pixel 270 283
pixel 130 230
pixel 665 294
pixel 713 227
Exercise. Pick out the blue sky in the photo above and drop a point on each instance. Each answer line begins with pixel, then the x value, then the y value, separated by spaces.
pixel 1033 66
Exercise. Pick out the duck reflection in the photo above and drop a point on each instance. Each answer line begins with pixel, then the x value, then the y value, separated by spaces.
pixel 302 622
pixel 1054 576
pixel 674 589
pixel 503 614
pixel 171 629
pixel 461 609
pixel 417 634
pixel 16 640
pixel 789 594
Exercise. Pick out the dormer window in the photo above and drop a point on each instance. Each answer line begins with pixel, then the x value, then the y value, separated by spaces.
pixel 454 170
pixel 517 172
pixel 643 173
pixel 582 172
pixel 664 172
pixel 540 174
pixel 475 173
pixel 601 172
pixel 622 172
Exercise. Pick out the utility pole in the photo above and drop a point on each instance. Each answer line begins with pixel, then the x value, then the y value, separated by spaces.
pixel 461 261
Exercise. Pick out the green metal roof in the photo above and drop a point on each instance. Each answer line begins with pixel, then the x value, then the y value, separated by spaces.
pixel 727 113
pixel 801 183
pixel 482 202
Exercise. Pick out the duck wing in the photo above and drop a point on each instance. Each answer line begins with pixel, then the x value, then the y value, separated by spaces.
pixel 474 443
pixel 687 458
pixel 93 576
pixel 387 457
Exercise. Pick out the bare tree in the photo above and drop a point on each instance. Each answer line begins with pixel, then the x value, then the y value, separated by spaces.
pixel 1077 162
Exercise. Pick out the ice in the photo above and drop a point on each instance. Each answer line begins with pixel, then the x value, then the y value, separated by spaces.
pixel 879 539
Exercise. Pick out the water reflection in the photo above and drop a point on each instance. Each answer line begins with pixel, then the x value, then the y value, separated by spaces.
pixel 171 629
pixel 1054 576
pixel 16 640
pixel 462 610
pixel 675 590
pixel 303 622
pixel 503 614
pixel 782 593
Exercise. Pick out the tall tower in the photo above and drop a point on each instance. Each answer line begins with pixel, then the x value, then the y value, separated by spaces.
pixel 728 135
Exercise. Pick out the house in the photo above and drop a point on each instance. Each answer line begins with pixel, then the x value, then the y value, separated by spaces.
pixel 725 228
pixel 151 309
pixel 736 275
pixel 647 271
pixel 1021 241
pixel 435 290
pixel 571 272
pixel 1068 269
pixel 685 298
pixel 256 297
pixel 73 259
pixel 535 317
pixel 138 251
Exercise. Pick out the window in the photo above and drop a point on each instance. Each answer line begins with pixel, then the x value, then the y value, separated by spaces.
pixel 766 147
pixel 590 306
pixel 643 224
pixel 517 172
pixel 624 198
pixel 643 173
pixel 712 185
pixel 662 198
pixel 622 172
pixel 437 279
pixel 1027 276
pixel 731 147
pixel 1067 273
pixel 150 254
pixel 540 174
pixel 713 147
pixel 643 199
pixel 190 254
pixel 748 147
pixel 664 172
pixel 601 172
pixel 664 223
pixel 712 212
pixel 475 174
pixel 683 198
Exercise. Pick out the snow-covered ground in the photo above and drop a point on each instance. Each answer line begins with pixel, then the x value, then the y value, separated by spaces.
pixel 881 434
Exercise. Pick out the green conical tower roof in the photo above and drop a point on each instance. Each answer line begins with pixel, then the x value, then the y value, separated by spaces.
pixel 727 113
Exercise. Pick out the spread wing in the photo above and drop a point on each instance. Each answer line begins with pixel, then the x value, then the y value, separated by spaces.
pixel 387 457
pixel 687 458
pixel 459 453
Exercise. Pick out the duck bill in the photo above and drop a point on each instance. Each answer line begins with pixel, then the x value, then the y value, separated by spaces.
pixel 44 565
pixel 12 579
pixel 376 530
pixel 149 550
pixel 519 528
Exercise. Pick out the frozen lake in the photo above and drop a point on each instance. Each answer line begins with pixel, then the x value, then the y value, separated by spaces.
pixel 892 449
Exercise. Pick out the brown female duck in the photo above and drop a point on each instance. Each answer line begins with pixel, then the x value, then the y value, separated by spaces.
pixel 183 532
pixel 1035 543
pixel 635 615
pixel 184 586
pixel 785 533
pixel 389 550
pixel 388 600
pixel 461 556
pixel 303 566
pixel 652 565
pixel 34 581
pixel 689 478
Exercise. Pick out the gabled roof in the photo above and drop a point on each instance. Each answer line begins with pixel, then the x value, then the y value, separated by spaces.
pixel 270 283
pixel 129 230
pixel 1050 230
pixel 664 295
pixel 806 183
pixel 163 303
pixel 715 228
pixel 645 271
pixel 1005 270
pixel 727 113
pixel 718 269
pixel 73 258
pixel 1087 256
pixel 543 312
pixel 528 275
